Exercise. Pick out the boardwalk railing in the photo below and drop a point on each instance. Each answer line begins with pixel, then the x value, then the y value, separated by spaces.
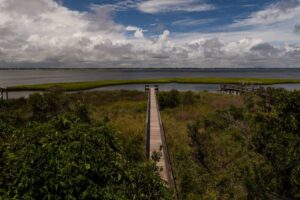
pixel 147 132
pixel 171 178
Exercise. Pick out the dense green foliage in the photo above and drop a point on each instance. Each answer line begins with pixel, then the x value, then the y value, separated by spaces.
pixel 51 148
pixel 233 147
pixel 91 146
pixel 168 100
pixel 173 98
pixel 96 84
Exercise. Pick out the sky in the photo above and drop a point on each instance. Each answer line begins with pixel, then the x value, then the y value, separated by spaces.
pixel 150 33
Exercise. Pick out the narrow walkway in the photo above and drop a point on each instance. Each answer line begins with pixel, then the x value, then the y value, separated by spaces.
pixel 156 140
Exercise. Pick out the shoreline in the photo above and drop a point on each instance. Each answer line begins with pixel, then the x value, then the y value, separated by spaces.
pixel 79 86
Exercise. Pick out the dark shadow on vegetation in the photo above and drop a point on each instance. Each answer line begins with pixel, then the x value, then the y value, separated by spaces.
pixel 51 149
pixel 240 152
pixel 173 99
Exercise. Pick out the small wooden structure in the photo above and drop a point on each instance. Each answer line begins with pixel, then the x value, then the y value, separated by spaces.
pixel 3 93
pixel 237 89
pixel 147 88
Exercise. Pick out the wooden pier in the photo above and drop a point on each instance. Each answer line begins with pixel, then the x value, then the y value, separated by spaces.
pixel 155 139
pixel 237 89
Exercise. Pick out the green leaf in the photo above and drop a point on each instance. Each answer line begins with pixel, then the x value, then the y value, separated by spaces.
pixel 87 166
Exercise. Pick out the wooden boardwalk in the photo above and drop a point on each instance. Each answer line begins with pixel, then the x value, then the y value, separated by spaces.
pixel 238 88
pixel 156 141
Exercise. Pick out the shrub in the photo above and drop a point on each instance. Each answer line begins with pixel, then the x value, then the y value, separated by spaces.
pixel 80 162
pixel 81 111
pixel 168 99
pixel 57 152
pixel 48 105
pixel 189 98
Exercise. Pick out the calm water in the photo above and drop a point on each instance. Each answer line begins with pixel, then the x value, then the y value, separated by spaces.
pixel 19 77
pixel 162 87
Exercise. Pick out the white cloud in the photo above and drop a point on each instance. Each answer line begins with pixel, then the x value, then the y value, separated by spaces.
pixel 161 6
pixel 279 12
pixel 45 33
pixel 132 28
pixel 165 36
pixel 42 30
pixel 123 5
pixel 138 32
pixel 241 46
pixel 192 22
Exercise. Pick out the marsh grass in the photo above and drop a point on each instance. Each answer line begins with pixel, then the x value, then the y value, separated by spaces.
pixel 235 147
pixel 192 179
pixel 125 111
pixel 77 86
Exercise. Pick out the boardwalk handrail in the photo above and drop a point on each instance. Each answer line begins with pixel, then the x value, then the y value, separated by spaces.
pixel 2 91
pixel 147 132
pixel 169 164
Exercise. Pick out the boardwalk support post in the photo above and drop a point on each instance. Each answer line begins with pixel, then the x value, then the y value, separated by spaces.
pixel 1 93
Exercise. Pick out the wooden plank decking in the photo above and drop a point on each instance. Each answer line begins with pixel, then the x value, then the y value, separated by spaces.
pixel 155 136
pixel 156 141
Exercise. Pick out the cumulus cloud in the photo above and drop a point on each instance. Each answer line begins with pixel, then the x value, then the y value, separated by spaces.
pixel 39 30
pixel 138 32
pixel 162 6
pixel 265 50
pixel 45 33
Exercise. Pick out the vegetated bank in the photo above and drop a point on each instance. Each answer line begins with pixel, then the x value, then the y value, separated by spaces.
pixel 76 86
pixel 234 147
pixel 91 146
pixel 77 146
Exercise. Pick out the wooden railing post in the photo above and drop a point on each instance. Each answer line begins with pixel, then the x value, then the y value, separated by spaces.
pixel 1 94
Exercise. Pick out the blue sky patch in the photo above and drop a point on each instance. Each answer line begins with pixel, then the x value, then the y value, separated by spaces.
pixel 224 12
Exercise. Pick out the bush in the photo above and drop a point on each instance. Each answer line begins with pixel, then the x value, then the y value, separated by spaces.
pixel 250 152
pixel 48 105
pixel 57 152
pixel 80 162
pixel 82 112
pixel 189 98
pixel 168 99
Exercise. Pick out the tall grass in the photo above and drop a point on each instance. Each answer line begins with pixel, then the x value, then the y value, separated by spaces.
pixel 76 86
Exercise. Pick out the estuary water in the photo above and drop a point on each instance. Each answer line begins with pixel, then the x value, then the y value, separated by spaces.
pixel 36 76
